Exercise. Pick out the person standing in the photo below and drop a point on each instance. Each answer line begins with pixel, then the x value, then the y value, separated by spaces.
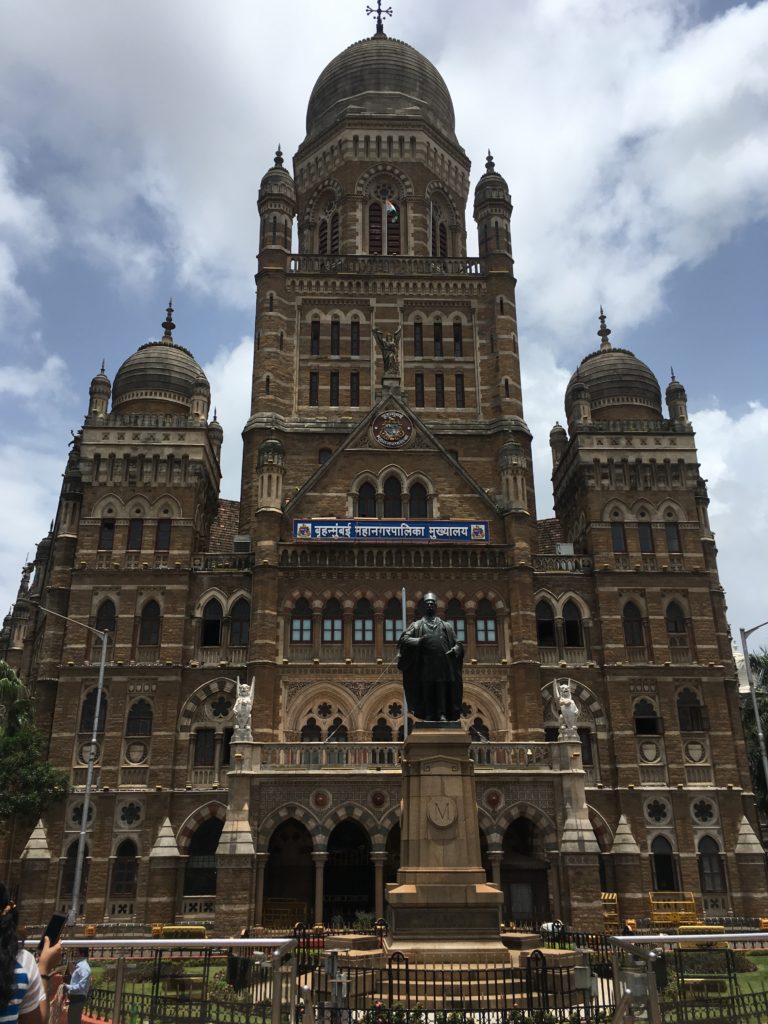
pixel 78 988
pixel 431 662
pixel 23 983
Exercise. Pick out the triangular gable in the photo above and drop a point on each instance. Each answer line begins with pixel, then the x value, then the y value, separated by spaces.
pixel 353 442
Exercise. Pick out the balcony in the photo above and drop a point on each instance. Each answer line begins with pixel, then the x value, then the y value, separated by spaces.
pixel 492 756
pixel 487 654
pixel 562 563
pixel 211 562
pixel 210 655
pixel 146 655
pixel 637 655
pixel 376 266
pixel 205 777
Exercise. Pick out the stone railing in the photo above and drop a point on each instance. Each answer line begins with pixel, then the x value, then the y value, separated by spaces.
pixel 562 563
pixel 318 555
pixel 494 756
pixel 210 561
pixel 376 266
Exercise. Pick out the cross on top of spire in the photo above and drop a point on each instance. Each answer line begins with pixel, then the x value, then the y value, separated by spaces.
pixel 380 13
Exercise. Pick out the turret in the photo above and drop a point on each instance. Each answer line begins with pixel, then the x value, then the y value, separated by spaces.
pixel 201 399
pixel 270 468
pixel 677 401
pixel 277 207
pixel 216 435
pixel 513 468
pixel 493 211
pixel 99 393
pixel 558 442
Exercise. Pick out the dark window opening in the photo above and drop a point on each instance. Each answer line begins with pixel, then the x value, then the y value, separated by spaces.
pixel 88 713
pixel 210 635
pixel 418 506
pixel 149 626
pixel 393 622
pixel 354 388
pixel 314 338
pixel 437 334
pixel 572 632
pixel 314 398
pixel 393 500
pixel 439 390
pixel 107 535
pixel 647 722
pixel 419 390
pixel 301 622
pixel 545 625
pixel 363 623
pixel 458 339
pixel 454 613
pixel 618 538
pixel 354 338
pixel 240 623
pixel 335 337
pixel 645 533
pixel 332 622
pixel 418 338
pixel 691 713
pixel 460 398
pixel 334 388
pixel 139 720
pixel 633 626
pixel 323 455
pixel 672 534
pixel 163 535
pixel 135 534
pixel 485 622
pixel 366 502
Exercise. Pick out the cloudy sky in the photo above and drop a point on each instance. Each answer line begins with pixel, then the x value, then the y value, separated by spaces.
pixel 633 135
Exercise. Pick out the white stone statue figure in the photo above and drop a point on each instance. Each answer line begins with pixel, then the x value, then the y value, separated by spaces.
pixel 569 711
pixel 243 707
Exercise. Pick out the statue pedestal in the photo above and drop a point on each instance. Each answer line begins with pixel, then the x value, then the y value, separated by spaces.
pixel 441 904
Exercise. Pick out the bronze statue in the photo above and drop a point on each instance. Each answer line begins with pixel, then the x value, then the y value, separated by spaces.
pixel 431 661
pixel 390 345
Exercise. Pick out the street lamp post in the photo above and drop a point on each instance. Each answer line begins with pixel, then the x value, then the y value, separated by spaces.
pixel 77 882
pixel 750 679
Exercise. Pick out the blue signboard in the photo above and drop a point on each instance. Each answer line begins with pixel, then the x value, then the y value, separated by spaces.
pixel 460 531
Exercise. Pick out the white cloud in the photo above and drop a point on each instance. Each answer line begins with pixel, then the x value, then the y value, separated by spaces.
pixel 732 450
pixel 229 374
pixel 39 384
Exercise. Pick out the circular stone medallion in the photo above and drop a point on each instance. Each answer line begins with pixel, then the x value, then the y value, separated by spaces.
pixel 392 429
pixel 441 811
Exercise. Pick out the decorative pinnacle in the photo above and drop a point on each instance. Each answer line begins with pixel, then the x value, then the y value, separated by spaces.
pixel 168 323
pixel 380 13
pixel 490 166
pixel 672 372
pixel 103 364
pixel 603 333
pixel 278 156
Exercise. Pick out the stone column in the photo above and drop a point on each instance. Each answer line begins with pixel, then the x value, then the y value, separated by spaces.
pixel 628 871
pixel 579 849
pixel 750 865
pixel 378 857
pixel 261 867
pixel 235 856
pixel 319 857
pixel 495 858
pixel 165 863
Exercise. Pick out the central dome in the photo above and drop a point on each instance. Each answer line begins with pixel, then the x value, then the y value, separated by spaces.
pixel 379 76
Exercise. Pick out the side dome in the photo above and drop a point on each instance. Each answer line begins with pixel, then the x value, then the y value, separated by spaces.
pixel 380 76
pixel 161 376
pixel 619 385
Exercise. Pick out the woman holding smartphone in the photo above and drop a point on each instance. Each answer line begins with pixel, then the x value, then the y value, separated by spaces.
pixel 23 983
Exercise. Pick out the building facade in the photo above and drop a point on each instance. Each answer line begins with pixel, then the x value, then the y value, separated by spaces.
pixel 386 448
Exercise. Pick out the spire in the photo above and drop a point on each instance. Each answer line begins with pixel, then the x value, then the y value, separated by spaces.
pixel 672 373
pixel 605 345
pixel 168 324
pixel 103 364
pixel 490 166
pixel 279 156
pixel 380 13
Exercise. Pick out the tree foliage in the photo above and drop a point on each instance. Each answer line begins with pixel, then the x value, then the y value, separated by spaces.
pixel 29 783
pixel 759 665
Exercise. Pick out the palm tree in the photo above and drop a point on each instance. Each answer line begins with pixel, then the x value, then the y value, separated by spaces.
pixel 15 702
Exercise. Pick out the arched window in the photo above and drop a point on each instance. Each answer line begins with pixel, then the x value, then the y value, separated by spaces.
pixel 691 713
pixel 323 237
pixel 672 534
pixel 163 535
pixel 633 626
pixel 417 502
pixel 454 614
pixel 124 873
pixel 88 713
pixel 301 622
pixel 338 732
pixel 647 722
pixel 573 635
pixel 479 731
pixel 149 625
pixel 545 625
pixel 485 622
pixel 240 623
pixel 393 501
pixel 210 635
pixel 135 534
pixel 663 865
pixel 363 622
pixel 382 732
pixel 332 622
pixel 677 632
pixel 393 621
pixel 106 621
pixel 68 875
pixel 366 501
pixel 384 227
pixel 139 720
pixel 311 732
pixel 107 535
pixel 618 538
pixel 711 871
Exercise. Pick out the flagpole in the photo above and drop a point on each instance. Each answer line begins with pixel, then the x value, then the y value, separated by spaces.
pixel 405 699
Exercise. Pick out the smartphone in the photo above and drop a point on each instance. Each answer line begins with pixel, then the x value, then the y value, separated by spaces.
pixel 53 930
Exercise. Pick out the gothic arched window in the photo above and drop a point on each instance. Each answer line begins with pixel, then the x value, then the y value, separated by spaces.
pixel 105 622
pixel 485 622
pixel 691 713
pixel 633 625
pixel 88 713
pixel 139 720
pixel 454 614
pixel 393 621
pixel 363 622
pixel 301 622
pixel 711 872
pixel 124 872
pixel 366 501
pixel 573 635
pixel 663 865
pixel 149 625
pixel 210 635
pixel 417 504
pixel 545 625
pixel 646 718
pixel 311 732
pixel 332 622
pixel 382 731
pixel 240 621
pixel 393 501
pixel 384 225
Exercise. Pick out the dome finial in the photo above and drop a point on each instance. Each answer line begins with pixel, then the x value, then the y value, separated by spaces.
pixel 603 333
pixel 380 13
pixel 103 364
pixel 672 372
pixel 279 156
pixel 168 324
pixel 490 166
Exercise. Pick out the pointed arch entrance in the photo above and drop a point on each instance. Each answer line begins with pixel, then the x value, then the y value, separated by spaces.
pixel 200 866
pixel 524 869
pixel 349 873
pixel 289 881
